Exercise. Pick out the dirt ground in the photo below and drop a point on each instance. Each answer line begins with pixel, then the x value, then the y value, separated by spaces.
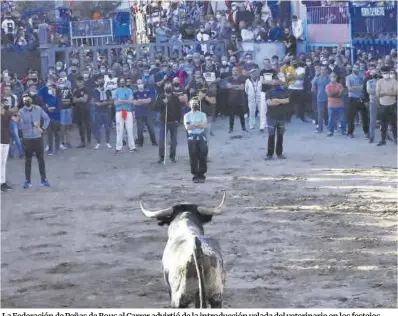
pixel 316 230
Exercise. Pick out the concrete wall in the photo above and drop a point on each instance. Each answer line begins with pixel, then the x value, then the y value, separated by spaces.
pixel 328 33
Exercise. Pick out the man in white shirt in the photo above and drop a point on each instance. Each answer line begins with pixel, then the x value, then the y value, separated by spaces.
pixel 195 123
pixel 297 28
pixel 8 27
pixel 253 87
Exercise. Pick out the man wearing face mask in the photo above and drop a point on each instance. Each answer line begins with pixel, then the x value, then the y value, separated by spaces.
pixel 111 81
pixel 296 88
pixel 103 112
pixel 387 92
pixel 354 84
pixel 66 97
pixel 180 93
pixel 169 107
pixel 124 104
pixel 373 101
pixel 59 67
pixel 195 123
pixel 142 102
pixel 82 112
pixel 236 102
pixel 161 78
pixel 253 87
pixel 52 104
pixel 30 118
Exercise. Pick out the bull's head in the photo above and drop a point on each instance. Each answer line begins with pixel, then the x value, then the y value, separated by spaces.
pixel 167 215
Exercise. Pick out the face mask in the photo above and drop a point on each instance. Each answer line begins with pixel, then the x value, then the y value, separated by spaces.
pixel 224 63
pixel 196 107
pixel 140 86
pixel 33 92
pixel 59 68
pixel 393 76
pixel 373 72
pixel 249 61
pixel 50 92
pixel 202 30
pixel 60 85
pixel 386 76
pixel 308 63
pixel 85 76
pixel 51 72
pixel 102 70
pixel 333 79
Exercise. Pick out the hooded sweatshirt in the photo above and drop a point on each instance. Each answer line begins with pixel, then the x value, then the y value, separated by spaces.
pixel 28 118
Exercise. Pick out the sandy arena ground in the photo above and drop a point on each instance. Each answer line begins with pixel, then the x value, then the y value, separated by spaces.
pixel 316 230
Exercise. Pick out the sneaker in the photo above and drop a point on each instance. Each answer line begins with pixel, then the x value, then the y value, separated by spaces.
pixel 367 136
pixel 281 156
pixel 330 134
pixel 108 145
pixel 133 150
pixel 268 157
pixel 44 183
pixel 97 146
pixel 230 130
pixel 154 144
pixel 172 159
pixel 244 129
pixel 82 145
pixel 62 147
pixel 27 184
pixel 201 180
pixel 212 134
pixel 47 148
pixel 251 127
pixel 161 160
pixel 5 187
pixel 117 151
pixel 195 180
pixel 68 145
pixel 382 143
pixel 50 153
pixel 261 130
pixel 350 135
pixel 371 141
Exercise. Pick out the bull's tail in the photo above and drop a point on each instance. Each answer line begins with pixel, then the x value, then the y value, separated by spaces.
pixel 199 265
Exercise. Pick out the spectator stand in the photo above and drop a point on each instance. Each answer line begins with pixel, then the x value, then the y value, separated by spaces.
pixel 327 25
pixel 91 32
pixel 374 26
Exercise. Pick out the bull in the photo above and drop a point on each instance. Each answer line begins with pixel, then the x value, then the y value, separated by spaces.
pixel 192 263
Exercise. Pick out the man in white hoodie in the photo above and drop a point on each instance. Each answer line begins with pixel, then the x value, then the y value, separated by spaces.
pixel 253 87
pixel 297 28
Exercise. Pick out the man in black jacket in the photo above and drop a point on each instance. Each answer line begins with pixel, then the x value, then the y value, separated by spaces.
pixel 169 107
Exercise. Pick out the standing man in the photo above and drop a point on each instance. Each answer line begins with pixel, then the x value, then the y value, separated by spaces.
pixel 319 87
pixel 277 102
pixel 195 123
pixel 6 116
pixel 374 104
pixel 103 103
pixel 80 99
pixel 142 101
pixel 266 76
pixel 66 97
pixel 169 107
pixel 354 83
pixel 296 88
pixel 30 118
pixel 335 91
pixel 53 112
pixel 253 87
pixel 236 86
pixel 387 92
pixel 123 99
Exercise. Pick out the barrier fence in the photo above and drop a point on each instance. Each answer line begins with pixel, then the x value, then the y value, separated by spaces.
pixel 91 28
pixel 328 15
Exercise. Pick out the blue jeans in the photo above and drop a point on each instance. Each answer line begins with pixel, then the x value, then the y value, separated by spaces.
pixel 333 113
pixel 141 122
pixel 102 118
pixel 172 127
pixel 321 109
pixel 15 137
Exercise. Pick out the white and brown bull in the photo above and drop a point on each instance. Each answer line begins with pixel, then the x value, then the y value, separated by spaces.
pixel 192 263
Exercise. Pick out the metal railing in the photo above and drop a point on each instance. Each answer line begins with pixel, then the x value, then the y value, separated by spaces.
pixel 328 15
pixel 374 26
pixel 91 28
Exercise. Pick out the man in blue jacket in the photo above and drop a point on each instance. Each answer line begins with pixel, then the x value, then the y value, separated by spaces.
pixel 30 118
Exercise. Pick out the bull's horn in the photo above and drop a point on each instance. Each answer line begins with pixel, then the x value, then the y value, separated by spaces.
pixel 212 211
pixel 156 213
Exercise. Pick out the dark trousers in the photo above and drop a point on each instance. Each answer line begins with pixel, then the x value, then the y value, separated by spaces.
pixel 388 115
pixel 34 146
pixel 198 150
pixel 83 121
pixel 277 126
pixel 238 110
pixel 172 127
pixel 103 118
pixel 297 103
pixel 53 133
pixel 148 122
pixel 356 105
pixel 222 101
